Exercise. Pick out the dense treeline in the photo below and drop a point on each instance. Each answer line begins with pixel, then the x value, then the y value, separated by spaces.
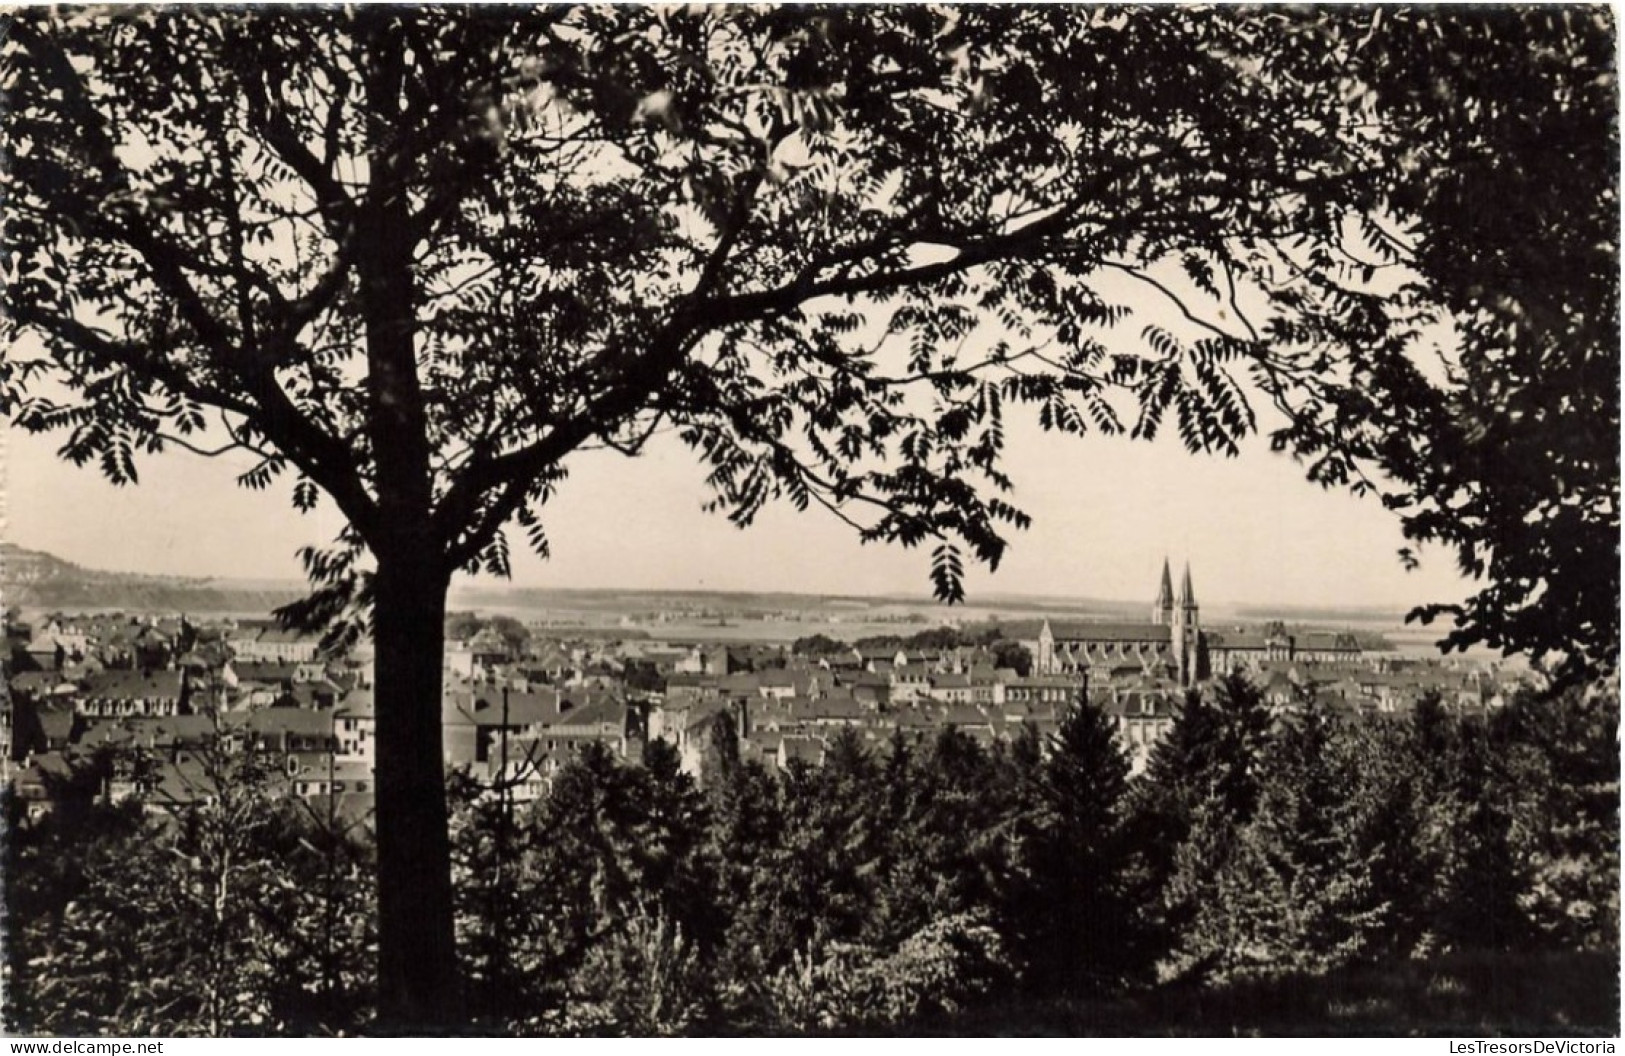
pixel 1003 651
pixel 894 887
pixel 930 638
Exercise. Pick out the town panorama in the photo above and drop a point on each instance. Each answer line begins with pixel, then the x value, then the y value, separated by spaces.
pixel 127 699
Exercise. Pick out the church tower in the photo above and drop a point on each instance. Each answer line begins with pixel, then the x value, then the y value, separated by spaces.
pixel 1162 612
pixel 1187 632
pixel 1187 600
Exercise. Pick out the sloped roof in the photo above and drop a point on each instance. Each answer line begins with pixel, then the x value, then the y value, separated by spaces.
pixel 1328 640
pixel 1141 704
pixel 807 749
pixel 135 685
pixel 279 636
pixel 1089 631
pixel 290 720
pixel 1237 639
pixel 182 781
pixel 482 703
pixel 191 728
pixel 38 682
pixel 605 710
pixel 804 709
pixel 1021 630
pixel 106 733
pixel 356 704
pixel 56 725
pixel 1046 682
pixel 703 713
pixel 265 670
pixel 47 765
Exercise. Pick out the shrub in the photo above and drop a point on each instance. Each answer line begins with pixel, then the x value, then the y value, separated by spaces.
pixel 940 970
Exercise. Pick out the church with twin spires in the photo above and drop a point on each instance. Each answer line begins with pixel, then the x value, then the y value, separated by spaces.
pixel 1170 646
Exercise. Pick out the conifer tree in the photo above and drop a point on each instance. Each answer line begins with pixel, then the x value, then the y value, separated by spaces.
pixel 745 837
pixel 1558 771
pixel 1389 819
pixel 676 882
pixel 1479 884
pixel 499 937
pixel 1082 932
pixel 944 850
pixel 1298 893
pixel 824 878
pixel 1200 787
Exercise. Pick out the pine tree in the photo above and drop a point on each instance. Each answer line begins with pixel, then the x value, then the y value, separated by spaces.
pixel 1558 771
pixel 675 875
pixel 745 837
pixel 943 851
pixel 1199 788
pixel 1176 780
pixel 499 936
pixel 1479 883
pixel 1082 930
pixel 580 848
pixel 1389 826
pixel 825 878
pixel 1298 891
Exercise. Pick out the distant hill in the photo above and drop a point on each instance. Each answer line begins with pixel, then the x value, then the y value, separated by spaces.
pixel 1323 614
pixel 32 579
pixel 35 580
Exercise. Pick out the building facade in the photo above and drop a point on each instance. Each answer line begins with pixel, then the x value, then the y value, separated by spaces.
pixel 1170 645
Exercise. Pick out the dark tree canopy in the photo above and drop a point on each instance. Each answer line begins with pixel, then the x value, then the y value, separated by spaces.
pixel 1510 178
pixel 820 209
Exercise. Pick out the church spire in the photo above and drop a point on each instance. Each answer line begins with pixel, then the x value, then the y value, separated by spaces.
pixel 1187 596
pixel 1162 611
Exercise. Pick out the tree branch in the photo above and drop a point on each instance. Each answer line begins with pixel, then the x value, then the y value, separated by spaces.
pixel 970 254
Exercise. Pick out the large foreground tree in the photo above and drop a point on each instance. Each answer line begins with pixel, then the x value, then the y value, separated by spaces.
pixel 416 260
pixel 1505 445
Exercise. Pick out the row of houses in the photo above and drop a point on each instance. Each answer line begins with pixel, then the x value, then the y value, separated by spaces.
pixel 107 641
pixel 513 722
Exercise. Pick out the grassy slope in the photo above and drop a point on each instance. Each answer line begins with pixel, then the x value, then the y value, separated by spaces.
pixel 1479 995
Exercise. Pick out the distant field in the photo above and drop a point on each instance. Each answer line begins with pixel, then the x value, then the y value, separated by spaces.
pixel 52 585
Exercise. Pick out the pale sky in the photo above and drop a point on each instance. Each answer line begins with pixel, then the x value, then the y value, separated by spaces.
pixel 1105 512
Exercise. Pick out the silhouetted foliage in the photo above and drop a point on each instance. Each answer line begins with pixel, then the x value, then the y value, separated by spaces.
pixel 1015 656
pixel 1083 922
pixel 896 886
pixel 232 910
pixel 1507 207
pixel 816 645
pixel 1557 771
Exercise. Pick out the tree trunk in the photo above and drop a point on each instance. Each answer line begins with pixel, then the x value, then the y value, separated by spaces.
pixel 418 981
pixel 417 968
